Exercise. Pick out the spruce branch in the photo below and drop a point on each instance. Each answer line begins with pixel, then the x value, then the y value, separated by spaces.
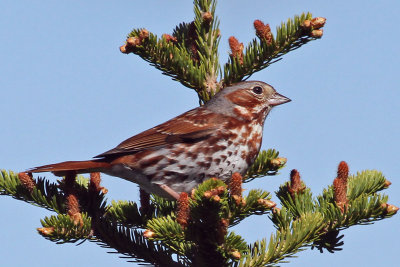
pixel 259 54
pixel 126 213
pixel 285 242
pixel 44 194
pixel 62 228
pixel 266 163
pixel 132 244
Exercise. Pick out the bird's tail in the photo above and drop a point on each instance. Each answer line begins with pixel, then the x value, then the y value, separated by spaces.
pixel 60 169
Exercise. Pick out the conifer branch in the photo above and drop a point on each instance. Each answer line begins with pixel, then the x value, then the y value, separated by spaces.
pixel 63 229
pixel 260 54
pixel 44 194
pixel 266 163
pixel 132 244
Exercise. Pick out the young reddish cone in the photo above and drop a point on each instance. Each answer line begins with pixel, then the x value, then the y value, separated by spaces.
pixel 235 187
pixel 295 186
pixel 263 31
pixel 94 184
pixel 340 185
pixel 183 212
pixel 236 49
pixel 27 181
pixel 72 201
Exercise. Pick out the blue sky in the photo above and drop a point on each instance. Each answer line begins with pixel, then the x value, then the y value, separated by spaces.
pixel 69 94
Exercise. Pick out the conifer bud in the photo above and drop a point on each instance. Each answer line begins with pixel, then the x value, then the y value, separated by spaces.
pixel 148 234
pixel 123 49
pixel 133 41
pixel 387 184
pixel 216 198
pixel 318 22
pixel 236 49
pixel 207 17
pixel 143 34
pixel 277 163
pixel 45 231
pixel 236 254
pixel 317 33
pixel 389 209
pixel 214 192
pixel 27 181
pixel 266 203
pixel 169 38
pixel 306 24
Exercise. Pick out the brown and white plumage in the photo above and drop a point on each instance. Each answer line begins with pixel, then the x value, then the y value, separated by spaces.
pixel 214 140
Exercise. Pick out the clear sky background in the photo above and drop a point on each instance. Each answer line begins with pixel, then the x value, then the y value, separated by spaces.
pixel 67 93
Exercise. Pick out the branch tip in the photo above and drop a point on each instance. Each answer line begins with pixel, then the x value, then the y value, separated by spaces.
pixel 236 49
pixel 389 209
pixel 387 184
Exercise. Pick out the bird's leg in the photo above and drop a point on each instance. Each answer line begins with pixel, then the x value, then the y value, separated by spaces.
pixel 169 191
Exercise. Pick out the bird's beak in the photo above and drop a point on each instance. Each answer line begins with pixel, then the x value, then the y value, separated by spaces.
pixel 278 99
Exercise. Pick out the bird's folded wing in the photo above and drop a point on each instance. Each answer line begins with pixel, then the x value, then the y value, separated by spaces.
pixel 188 127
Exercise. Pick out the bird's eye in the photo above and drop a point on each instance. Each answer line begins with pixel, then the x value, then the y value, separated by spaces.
pixel 257 90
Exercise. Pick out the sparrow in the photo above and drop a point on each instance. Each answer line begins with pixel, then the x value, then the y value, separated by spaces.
pixel 217 139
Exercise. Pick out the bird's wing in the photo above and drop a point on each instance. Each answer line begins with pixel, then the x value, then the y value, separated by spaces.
pixel 189 127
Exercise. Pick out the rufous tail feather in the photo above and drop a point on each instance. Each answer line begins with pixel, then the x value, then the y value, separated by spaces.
pixel 78 166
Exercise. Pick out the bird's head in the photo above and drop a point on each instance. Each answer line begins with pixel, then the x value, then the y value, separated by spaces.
pixel 248 100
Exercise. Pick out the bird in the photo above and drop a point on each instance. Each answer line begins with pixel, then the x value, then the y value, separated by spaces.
pixel 217 139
